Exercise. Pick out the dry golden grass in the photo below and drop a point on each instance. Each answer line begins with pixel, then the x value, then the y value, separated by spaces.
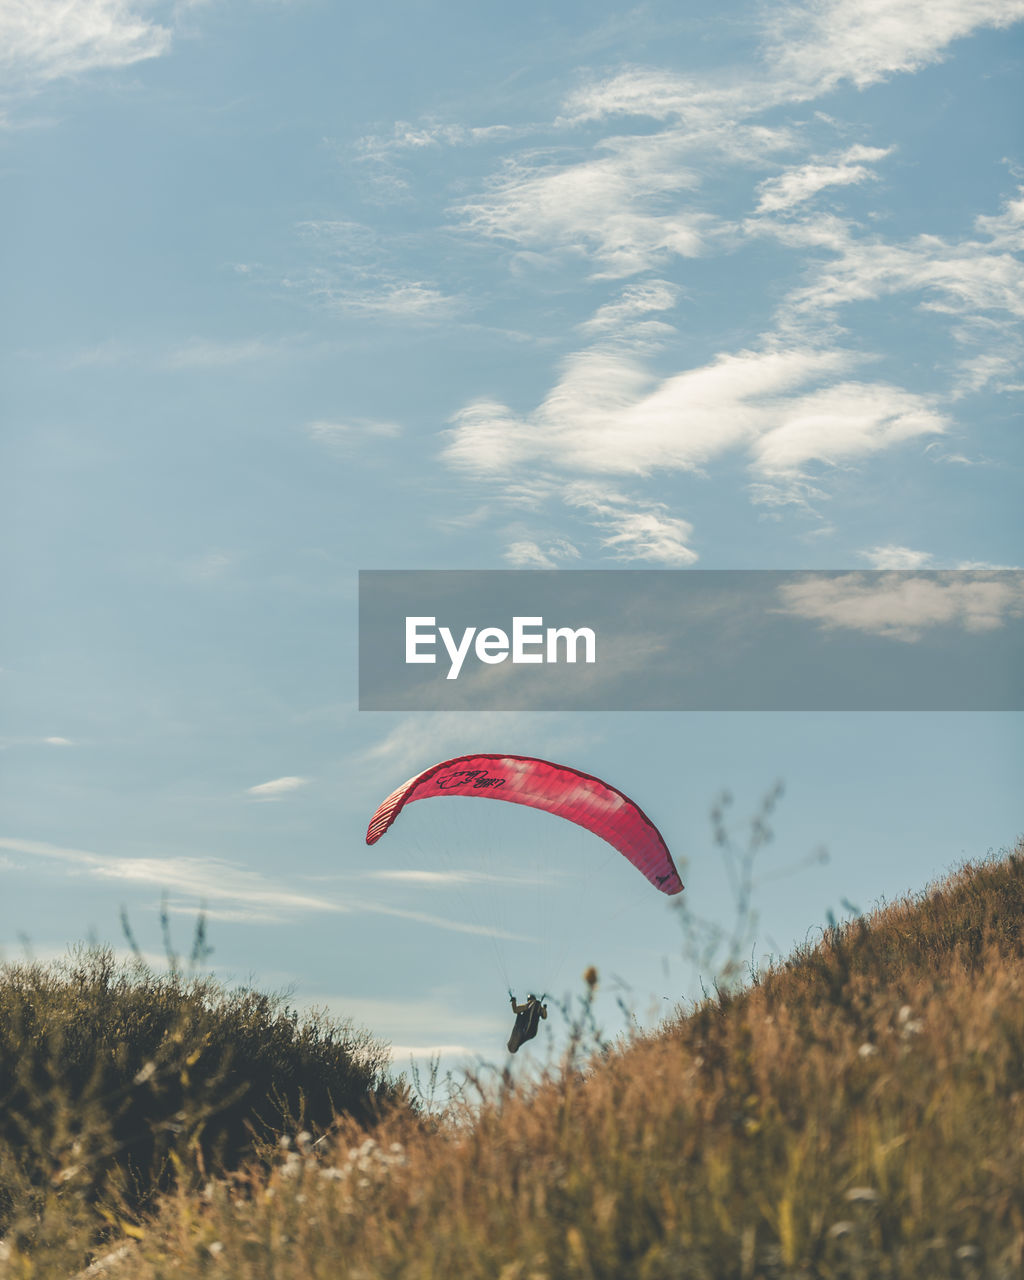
pixel 855 1114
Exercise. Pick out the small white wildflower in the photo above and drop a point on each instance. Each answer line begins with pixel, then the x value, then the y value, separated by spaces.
pixel 863 1195
pixel 284 1141
pixel 304 1140
pixel 909 1026
pixel 867 1050
pixel 968 1251
pixel 333 1175
pixel 145 1073
pixel 839 1229
pixel 102 1265
pixel 215 1248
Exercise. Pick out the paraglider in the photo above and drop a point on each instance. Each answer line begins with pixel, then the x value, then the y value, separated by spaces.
pixel 528 1018
pixel 557 789
pixel 566 792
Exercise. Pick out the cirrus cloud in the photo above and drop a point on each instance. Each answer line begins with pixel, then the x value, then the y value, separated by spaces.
pixel 276 788
pixel 46 40
pixel 901 606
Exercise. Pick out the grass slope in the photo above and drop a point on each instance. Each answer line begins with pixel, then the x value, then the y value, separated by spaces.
pixel 855 1113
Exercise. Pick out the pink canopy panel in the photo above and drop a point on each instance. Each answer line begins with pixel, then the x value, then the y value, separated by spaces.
pixel 579 797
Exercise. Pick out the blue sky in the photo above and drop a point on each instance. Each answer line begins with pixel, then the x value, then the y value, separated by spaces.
pixel 294 290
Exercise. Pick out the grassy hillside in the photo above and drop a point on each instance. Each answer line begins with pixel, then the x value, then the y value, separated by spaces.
pixel 856 1113
pixel 117 1084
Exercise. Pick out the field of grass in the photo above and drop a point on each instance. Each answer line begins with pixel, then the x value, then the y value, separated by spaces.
pixel 856 1113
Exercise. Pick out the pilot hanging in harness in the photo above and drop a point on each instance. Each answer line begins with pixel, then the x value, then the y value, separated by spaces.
pixel 528 1018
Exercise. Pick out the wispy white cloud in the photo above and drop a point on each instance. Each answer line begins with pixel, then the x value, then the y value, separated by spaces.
pixel 648 533
pixel 815 46
pixel 437 922
pixel 530 555
pixel 705 116
pixel 998 352
pixel 621 203
pixel 424 135
pixel 782 406
pixel 471 519
pixel 230 892
pixel 225 915
pixel 802 182
pixel 629 203
pixel 58 742
pixel 807 49
pixel 894 557
pixel 382 158
pixel 620 315
pixel 454 879
pixel 994 369
pixel 276 788
pixel 637 200
pixel 1005 230
pixel 388 299
pixel 419 740
pixel 209 880
pixel 608 414
pixel 843 423
pixel 352 434
pixel 977 281
pixel 958 459
pixel 356 272
pixel 603 206
pixel 901 606
pixel 958 278
pixel 658 95
pixel 46 40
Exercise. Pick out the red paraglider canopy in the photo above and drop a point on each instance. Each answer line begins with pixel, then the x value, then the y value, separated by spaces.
pixel 556 788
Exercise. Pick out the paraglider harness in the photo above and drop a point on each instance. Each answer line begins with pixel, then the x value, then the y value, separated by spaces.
pixel 528 1018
